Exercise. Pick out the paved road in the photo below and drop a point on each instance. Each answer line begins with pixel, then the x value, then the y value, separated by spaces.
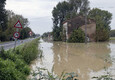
pixel 9 45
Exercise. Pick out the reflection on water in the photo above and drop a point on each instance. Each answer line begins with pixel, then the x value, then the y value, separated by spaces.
pixel 83 59
pixel 80 58
pixel 111 69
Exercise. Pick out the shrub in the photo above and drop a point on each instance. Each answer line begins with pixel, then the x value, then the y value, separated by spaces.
pixel 77 36
pixel 9 72
pixel 29 51
pixel 22 67
pixel 13 63
pixel 102 34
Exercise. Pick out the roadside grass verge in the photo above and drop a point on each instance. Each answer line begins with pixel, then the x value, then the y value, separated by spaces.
pixel 14 64
pixel 29 51
pixel 112 38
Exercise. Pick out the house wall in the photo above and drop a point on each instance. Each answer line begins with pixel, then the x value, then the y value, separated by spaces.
pixel 65 31
pixel 91 30
pixel 71 25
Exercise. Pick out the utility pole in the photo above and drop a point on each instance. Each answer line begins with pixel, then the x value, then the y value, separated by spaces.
pixel 85 28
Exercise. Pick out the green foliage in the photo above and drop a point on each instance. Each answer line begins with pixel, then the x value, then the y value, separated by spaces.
pixel 8 71
pixel 77 36
pixel 103 20
pixel 44 74
pixel 3 16
pixel 57 34
pixel 102 34
pixel 46 34
pixel 112 33
pixel 29 51
pixel 6 33
pixel 13 64
pixel 66 10
pixel 25 33
pixel 12 19
pixel 3 20
pixel 20 65
pixel 82 5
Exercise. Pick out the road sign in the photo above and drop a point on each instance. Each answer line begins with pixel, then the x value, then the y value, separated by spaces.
pixel 16 34
pixel 18 25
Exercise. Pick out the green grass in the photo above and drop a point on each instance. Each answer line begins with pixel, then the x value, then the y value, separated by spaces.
pixel 29 51
pixel 112 38
pixel 14 64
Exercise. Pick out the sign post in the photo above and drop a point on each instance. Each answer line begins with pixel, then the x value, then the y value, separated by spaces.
pixel 17 34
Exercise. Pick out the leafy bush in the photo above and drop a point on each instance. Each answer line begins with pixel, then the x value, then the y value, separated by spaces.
pixel 102 34
pixel 77 36
pixel 103 19
pixel 9 55
pixel 8 71
pixel 29 51
pixel 13 63
pixel 22 67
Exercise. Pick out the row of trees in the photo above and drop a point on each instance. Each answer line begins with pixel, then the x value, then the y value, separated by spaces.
pixel 72 8
pixel 7 21
pixel 112 33
pixel 3 18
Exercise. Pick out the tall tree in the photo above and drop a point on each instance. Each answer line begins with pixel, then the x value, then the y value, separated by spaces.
pixel 103 20
pixel 80 6
pixel 66 10
pixel 25 33
pixel 59 12
pixel 3 16
pixel 3 20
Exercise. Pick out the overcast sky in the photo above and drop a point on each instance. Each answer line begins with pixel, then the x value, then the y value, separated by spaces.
pixel 39 11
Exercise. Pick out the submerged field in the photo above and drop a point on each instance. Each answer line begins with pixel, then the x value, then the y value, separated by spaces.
pixel 88 61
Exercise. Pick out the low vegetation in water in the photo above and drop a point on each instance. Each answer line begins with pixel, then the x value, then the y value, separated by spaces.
pixel 44 74
pixel 77 36
pixel 14 64
pixel 104 77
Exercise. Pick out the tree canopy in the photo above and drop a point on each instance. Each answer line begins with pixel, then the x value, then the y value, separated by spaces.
pixel 103 20
pixel 66 10
pixel 12 18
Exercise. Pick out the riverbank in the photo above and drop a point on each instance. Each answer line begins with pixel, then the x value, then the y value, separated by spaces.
pixel 14 64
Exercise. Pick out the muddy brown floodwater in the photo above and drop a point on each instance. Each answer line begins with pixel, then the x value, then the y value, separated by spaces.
pixel 87 61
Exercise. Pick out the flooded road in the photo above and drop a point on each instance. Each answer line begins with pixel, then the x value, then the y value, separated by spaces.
pixel 86 60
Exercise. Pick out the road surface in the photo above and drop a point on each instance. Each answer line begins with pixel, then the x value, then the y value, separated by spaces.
pixel 10 44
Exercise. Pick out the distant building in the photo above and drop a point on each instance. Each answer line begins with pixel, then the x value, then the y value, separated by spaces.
pixel 79 22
